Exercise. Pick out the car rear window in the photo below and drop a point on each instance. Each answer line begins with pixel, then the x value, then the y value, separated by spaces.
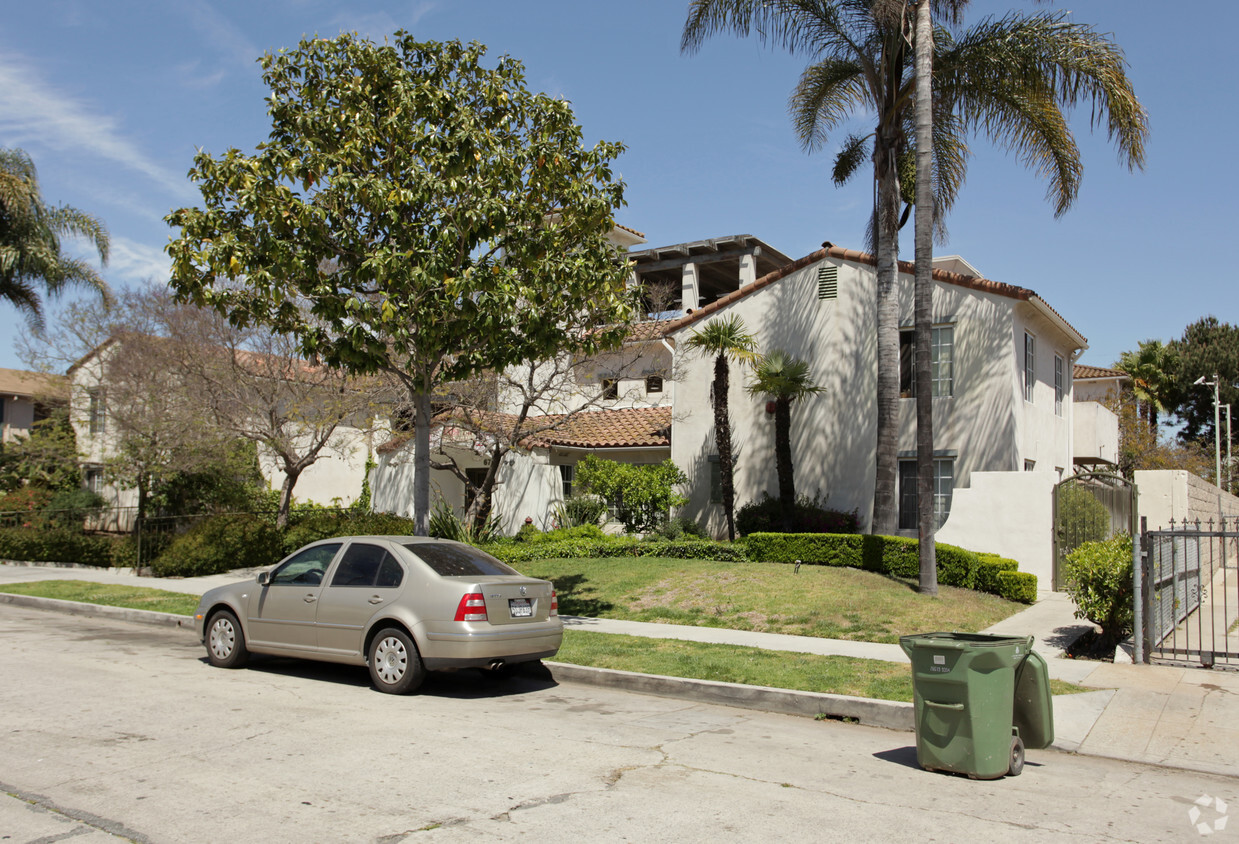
pixel 458 560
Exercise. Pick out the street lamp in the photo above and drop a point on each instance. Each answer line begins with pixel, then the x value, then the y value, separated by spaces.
pixel 1217 423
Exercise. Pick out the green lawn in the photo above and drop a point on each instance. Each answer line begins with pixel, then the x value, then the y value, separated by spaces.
pixel 822 601
pixel 108 594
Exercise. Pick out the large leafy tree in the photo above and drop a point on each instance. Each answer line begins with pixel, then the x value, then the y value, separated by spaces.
pixel 784 378
pixel 728 341
pixel 1006 79
pixel 1208 348
pixel 31 260
pixel 412 212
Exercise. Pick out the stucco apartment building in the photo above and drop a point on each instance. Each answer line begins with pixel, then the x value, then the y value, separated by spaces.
pixel 24 397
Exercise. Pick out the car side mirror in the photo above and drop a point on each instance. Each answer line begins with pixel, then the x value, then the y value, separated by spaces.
pixel 264 577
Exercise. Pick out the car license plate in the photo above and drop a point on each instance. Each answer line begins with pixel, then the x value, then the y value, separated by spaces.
pixel 520 607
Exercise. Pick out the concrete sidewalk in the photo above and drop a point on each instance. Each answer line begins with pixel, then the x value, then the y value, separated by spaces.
pixel 1177 717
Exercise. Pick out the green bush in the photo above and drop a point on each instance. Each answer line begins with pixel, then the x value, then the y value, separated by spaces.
pixel 581 511
pixel 1018 586
pixel 580 532
pixel 1098 577
pixel 324 524
pixel 55 545
pixel 809 516
pixel 681 527
pixel 639 494
pixel 897 556
pixel 220 544
pixel 520 552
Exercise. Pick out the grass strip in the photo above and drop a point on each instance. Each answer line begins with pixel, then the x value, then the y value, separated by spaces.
pixel 839 675
pixel 108 594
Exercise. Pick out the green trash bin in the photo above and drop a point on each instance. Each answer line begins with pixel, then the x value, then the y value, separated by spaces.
pixel 980 700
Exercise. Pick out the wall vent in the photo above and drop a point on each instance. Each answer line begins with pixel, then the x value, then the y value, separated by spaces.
pixel 828 282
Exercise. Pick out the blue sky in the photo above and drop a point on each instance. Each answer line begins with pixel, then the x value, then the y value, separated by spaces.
pixel 112 100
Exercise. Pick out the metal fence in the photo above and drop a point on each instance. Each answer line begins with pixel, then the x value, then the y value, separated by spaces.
pixel 1191 594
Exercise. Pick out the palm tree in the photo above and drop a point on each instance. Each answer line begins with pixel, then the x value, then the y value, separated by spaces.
pixel 784 379
pixel 1006 79
pixel 1151 368
pixel 728 341
pixel 30 234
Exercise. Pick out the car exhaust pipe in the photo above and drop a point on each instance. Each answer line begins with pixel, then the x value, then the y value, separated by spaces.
pixel 495 664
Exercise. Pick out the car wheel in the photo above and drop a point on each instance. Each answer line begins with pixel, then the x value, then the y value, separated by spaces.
pixel 225 641
pixel 1017 756
pixel 395 665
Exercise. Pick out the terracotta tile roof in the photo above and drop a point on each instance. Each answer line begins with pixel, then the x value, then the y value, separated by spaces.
pixel 631 231
pixel 1083 371
pixel 619 428
pixel 21 382
pixel 971 282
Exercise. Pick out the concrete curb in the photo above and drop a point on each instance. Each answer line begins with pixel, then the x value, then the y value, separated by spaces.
pixel 161 619
pixel 893 715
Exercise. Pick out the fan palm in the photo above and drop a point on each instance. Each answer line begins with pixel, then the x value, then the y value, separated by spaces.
pixel 1006 79
pixel 728 340
pixel 1151 368
pixel 30 235
pixel 784 379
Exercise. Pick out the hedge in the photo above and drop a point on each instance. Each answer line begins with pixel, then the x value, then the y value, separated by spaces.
pixel 897 556
pixel 50 545
pixel 522 552
pixel 220 544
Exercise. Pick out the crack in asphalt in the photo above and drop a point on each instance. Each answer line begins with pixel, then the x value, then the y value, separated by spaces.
pixel 87 819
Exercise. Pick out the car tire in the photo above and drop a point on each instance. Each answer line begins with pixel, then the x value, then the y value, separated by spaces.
pixel 395 665
pixel 225 641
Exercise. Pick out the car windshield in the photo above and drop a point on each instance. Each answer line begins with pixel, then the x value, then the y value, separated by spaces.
pixel 452 560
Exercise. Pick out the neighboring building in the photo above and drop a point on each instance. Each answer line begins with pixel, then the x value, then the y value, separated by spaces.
pixel 1096 427
pixel 1005 415
pixel 24 400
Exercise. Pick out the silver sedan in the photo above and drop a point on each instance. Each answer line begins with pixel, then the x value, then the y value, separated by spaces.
pixel 401 605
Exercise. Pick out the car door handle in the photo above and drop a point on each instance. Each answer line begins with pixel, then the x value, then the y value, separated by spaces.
pixel 376 599
pixel 311 598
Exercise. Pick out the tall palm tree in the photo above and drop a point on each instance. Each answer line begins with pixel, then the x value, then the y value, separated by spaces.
pixel 923 304
pixel 784 379
pixel 728 341
pixel 1151 368
pixel 30 234
pixel 1006 79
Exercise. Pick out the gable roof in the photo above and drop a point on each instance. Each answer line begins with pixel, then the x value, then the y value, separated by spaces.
pixel 1083 372
pixel 26 384
pixel 829 250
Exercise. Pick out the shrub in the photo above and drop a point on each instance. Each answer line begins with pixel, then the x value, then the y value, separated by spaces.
pixel 810 516
pixel 897 556
pixel 56 545
pixel 639 494
pixel 69 508
pixel 220 544
pixel 325 524
pixel 681 527
pixel 581 511
pixel 26 502
pixel 520 552
pixel 590 532
pixel 1098 577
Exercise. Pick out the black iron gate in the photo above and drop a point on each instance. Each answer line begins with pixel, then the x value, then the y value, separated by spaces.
pixel 1090 507
pixel 1191 594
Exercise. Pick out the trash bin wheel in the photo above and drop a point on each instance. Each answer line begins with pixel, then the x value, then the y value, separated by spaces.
pixel 1017 756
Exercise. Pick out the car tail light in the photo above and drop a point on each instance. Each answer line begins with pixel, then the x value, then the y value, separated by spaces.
pixel 554 603
pixel 472 607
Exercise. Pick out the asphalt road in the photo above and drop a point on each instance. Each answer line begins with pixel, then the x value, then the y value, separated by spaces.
pixel 117 731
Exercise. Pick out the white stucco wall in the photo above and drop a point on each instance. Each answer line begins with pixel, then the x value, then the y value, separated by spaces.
pixel 986 425
pixel 1006 513
pixel 1176 494
pixel 334 479
pixel 1095 432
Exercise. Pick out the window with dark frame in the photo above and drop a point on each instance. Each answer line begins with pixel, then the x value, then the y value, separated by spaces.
pixel 942 361
pixel 653 383
pixel 98 410
pixel 944 483
pixel 610 389
pixel 567 474
pixel 1060 387
pixel 1030 366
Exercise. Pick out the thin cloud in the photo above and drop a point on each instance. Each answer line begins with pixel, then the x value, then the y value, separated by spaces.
pixel 31 111
pixel 132 262
pixel 219 32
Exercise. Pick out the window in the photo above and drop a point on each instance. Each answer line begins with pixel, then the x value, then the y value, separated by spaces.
pixel 941 366
pixel 653 383
pixel 1030 465
pixel 567 474
pixel 1030 365
pixel 716 480
pixel 367 565
pixel 98 410
pixel 308 567
pixel 475 478
pixel 610 388
pixel 1060 387
pixel 94 480
pixel 458 560
pixel 944 483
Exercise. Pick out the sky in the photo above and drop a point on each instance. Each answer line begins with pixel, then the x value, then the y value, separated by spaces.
pixel 113 100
